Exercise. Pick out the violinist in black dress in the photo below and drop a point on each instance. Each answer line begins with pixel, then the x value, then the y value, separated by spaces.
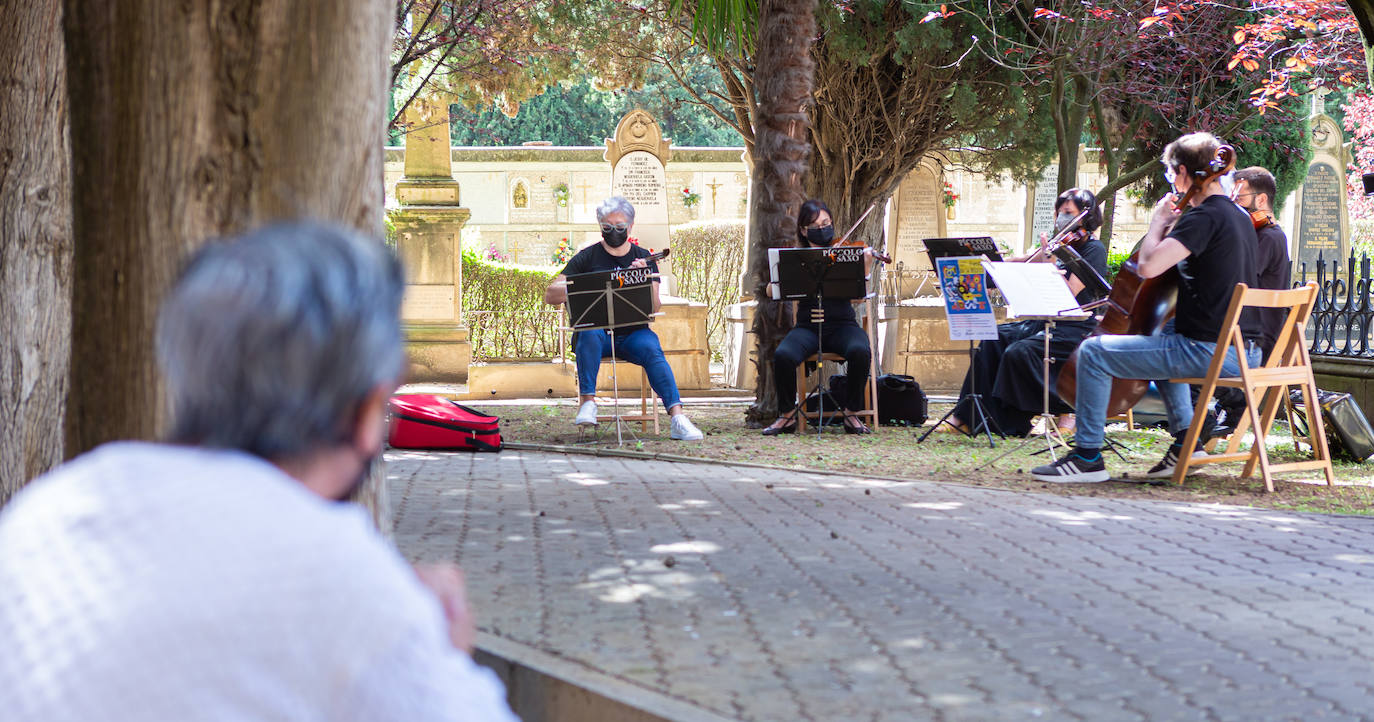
pixel 1008 371
pixel 839 333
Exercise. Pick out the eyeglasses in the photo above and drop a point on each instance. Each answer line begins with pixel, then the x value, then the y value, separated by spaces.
pixel 816 227
pixel 608 227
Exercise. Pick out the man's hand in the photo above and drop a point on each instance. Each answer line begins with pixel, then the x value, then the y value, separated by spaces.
pixel 1164 216
pixel 639 263
pixel 446 581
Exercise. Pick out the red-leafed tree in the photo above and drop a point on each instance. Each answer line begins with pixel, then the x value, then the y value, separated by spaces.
pixel 1130 75
pixel 1359 123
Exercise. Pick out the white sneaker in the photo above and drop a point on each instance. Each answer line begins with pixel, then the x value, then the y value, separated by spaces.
pixel 683 429
pixel 586 414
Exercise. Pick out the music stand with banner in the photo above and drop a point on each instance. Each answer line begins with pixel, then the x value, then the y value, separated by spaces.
pixel 610 300
pixel 968 309
pixel 819 273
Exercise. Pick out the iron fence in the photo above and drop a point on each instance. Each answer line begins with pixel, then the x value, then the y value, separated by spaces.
pixel 1342 316
pixel 516 335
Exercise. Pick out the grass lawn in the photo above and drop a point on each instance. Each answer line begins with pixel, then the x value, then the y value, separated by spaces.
pixel 893 452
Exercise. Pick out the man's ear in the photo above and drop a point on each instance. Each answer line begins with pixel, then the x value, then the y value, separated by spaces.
pixel 370 427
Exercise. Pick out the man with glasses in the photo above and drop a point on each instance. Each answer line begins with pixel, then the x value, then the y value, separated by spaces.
pixel 1255 191
pixel 636 344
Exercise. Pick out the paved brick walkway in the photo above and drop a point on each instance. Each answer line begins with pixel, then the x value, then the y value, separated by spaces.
pixel 760 594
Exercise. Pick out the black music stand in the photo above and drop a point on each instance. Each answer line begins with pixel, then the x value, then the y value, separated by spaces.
pixel 606 301
pixel 957 248
pixel 819 273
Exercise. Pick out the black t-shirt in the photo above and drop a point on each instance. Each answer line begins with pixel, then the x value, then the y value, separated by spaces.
pixel 595 258
pixel 1276 272
pixel 1222 248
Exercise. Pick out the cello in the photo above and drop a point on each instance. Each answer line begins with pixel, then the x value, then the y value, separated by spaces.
pixel 1140 306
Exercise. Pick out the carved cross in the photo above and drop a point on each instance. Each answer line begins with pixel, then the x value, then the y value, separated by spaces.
pixel 585 186
pixel 515 251
pixel 713 185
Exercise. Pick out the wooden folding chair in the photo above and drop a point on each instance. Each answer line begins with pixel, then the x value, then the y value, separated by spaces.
pixel 1288 365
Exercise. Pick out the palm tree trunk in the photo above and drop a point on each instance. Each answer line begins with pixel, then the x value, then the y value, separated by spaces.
pixel 782 152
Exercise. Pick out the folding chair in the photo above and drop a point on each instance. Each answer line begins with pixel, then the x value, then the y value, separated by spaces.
pixel 1288 365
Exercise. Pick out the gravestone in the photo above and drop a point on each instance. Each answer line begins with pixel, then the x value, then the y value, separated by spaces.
pixel 637 154
pixel 1322 225
pixel 1041 200
pixel 917 215
pixel 428 231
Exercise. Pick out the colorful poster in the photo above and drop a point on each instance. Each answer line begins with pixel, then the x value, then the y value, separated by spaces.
pixel 965 293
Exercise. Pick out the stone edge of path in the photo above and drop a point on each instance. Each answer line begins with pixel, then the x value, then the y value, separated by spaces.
pixel 543 686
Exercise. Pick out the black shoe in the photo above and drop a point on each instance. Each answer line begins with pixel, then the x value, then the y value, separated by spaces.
pixel 852 425
pixel 788 427
pixel 1075 468
pixel 1165 468
pixel 1227 421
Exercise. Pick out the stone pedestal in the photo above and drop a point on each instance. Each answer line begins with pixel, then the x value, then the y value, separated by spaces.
pixel 916 343
pixel 427 242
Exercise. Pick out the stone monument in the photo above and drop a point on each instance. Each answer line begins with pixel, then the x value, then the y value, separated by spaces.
pixel 428 228
pixel 637 154
pixel 1040 199
pixel 1321 223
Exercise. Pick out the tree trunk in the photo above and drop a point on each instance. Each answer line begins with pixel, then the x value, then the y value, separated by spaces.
pixel 191 120
pixel 782 151
pixel 35 241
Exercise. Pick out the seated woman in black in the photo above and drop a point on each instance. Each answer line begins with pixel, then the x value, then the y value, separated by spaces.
pixel 1007 372
pixel 840 333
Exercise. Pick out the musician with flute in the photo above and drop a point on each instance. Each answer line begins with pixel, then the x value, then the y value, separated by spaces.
pixel 637 344
pixel 1209 242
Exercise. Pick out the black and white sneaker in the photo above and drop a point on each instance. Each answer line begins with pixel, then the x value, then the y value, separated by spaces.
pixel 1165 468
pixel 1073 469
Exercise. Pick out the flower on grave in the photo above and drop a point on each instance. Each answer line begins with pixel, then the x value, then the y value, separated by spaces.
pixel 948 196
pixel 563 252
pixel 689 198
pixel 494 255
pixel 560 194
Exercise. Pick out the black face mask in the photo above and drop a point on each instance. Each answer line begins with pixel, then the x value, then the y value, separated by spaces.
pixel 820 236
pixel 615 238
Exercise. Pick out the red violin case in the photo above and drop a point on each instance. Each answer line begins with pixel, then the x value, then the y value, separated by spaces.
pixel 426 421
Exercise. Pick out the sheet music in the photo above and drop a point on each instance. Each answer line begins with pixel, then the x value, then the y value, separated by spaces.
pixel 1032 289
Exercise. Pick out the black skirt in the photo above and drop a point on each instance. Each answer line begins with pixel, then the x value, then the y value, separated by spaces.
pixel 1006 373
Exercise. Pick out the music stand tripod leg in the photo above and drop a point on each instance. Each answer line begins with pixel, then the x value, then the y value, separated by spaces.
pixel 1048 428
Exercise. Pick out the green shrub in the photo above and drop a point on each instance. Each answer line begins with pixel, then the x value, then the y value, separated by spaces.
pixel 707 259
pixel 504 309
pixel 1114 261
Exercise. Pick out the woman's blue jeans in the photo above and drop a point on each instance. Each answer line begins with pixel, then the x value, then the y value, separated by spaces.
pixel 639 347
pixel 1158 358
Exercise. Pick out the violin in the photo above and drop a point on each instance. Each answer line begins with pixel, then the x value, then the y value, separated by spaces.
pixel 1140 306
pixel 1261 219
pixel 856 243
pixel 1072 235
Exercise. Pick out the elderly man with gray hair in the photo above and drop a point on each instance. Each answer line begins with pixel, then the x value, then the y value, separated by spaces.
pixel 636 344
pixel 217 575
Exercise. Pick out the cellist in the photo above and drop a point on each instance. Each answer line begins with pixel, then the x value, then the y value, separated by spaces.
pixel 1213 244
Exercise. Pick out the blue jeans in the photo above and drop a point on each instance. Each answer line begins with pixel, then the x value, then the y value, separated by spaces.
pixel 639 347
pixel 1168 355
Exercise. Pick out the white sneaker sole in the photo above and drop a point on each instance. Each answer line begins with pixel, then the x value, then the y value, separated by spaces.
pixel 1166 473
pixel 1090 477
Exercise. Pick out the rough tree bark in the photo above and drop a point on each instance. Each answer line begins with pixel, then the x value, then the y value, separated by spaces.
pixel 35 241
pixel 781 152
pixel 192 119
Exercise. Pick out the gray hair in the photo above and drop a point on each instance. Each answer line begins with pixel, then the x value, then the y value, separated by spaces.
pixel 615 204
pixel 271 341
